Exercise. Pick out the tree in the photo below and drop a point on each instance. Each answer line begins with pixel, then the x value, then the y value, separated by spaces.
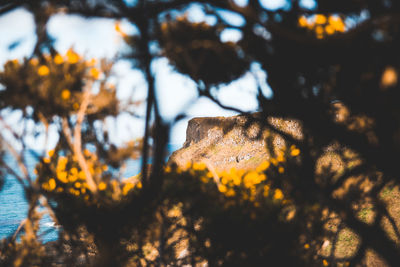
pixel 333 68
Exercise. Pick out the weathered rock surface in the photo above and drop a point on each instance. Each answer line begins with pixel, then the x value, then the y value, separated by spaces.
pixel 227 142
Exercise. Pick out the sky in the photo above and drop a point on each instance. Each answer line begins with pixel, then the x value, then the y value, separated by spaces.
pixel 97 38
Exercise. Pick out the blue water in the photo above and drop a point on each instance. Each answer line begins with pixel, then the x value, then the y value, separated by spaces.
pixel 14 207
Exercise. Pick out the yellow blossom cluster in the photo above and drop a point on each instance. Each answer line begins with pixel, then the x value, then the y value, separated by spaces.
pixel 71 58
pixel 66 177
pixel 252 185
pixel 128 186
pixel 322 25
pixel 54 79
pixel 43 70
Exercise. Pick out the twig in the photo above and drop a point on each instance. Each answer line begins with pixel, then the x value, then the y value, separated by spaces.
pixel 46 204
pixel 20 226
pixel 46 125
pixel 19 162
pixel 76 142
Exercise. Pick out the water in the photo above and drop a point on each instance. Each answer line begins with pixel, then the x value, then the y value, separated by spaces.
pixel 14 207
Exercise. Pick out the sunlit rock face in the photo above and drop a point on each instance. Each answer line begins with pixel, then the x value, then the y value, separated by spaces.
pixel 232 142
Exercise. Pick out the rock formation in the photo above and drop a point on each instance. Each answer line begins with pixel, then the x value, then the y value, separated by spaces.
pixel 227 142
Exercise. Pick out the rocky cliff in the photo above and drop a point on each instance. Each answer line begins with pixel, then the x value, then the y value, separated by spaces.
pixel 226 142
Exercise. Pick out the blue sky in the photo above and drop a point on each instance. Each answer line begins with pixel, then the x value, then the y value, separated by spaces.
pixel 97 38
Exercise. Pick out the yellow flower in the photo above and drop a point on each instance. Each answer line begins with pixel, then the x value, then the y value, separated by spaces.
pixel 224 180
pixel 337 23
pixel 127 187
pixel 188 165
pixel 95 73
pixel 281 170
pixel 65 94
pixel 58 59
pixel 87 153
pixel 210 175
pixel 75 106
pixel 82 175
pixel 295 152
pixel 139 185
pixel 72 57
pixel 329 29
pixel 102 186
pixel 278 194
pixel 204 179
pixel 51 153
pixel 199 166
pixel 83 190
pixel 62 161
pixel 115 184
pixel 230 193
pixel 274 161
pixel 74 171
pixel 222 188
pixel 306 246
pixel 78 185
pixel 319 30
pixel 281 158
pixel 251 179
pixel 47 160
pixel 325 262
pixel 43 70
pixel 303 21
pixel 167 169
pixel 266 190
pixel 104 167
pixel 34 61
pixel 45 186
pixel 59 189
pixel 320 19
pixel 52 184
pixel 236 177
pixel 74 192
pixel 263 166
pixel 62 176
pixel 389 77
